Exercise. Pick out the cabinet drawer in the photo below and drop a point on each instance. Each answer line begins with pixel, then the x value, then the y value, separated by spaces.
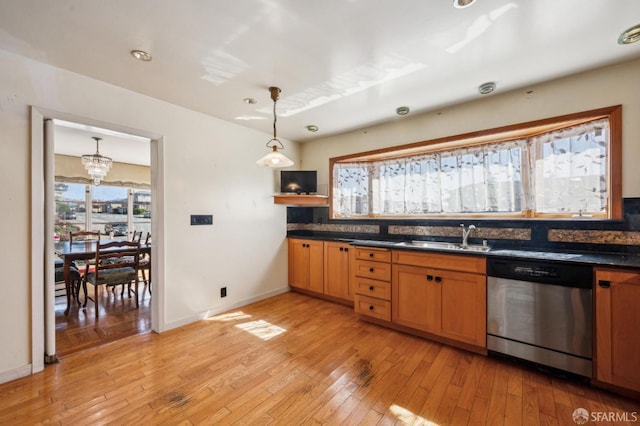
pixel 452 262
pixel 372 307
pixel 368 253
pixel 373 288
pixel 376 270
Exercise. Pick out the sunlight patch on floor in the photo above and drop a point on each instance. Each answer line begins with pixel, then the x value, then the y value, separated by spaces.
pixel 407 417
pixel 262 329
pixel 231 316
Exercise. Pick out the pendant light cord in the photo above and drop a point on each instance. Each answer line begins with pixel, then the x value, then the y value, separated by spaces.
pixel 275 118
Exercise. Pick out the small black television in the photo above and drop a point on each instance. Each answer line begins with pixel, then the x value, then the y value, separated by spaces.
pixel 298 181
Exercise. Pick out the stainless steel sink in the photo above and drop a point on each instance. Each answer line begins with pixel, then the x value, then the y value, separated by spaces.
pixel 440 245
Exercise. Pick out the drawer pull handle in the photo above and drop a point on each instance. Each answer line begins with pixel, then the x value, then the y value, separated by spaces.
pixel 604 284
pixel 341 248
pixel 371 254
pixel 429 277
pixel 370 269
pixel 371 307
pixel 371 288
pixel 438 279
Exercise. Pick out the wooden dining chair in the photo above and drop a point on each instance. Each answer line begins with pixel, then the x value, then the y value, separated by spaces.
pixel 60 284
pixel 136 236
pixel 144 265
pixel 84 236
pixel 116 263
pixel 81 265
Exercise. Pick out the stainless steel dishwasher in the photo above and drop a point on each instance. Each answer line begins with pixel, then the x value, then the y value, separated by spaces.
pixel 541 311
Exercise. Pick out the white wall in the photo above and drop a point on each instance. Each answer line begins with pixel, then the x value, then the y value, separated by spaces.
pixel 209 168
pixel 613 85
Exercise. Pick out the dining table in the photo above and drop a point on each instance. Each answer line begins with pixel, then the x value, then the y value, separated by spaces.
pixel 81 250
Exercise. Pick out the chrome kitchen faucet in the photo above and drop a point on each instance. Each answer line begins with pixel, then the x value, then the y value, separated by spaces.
pixel 465 234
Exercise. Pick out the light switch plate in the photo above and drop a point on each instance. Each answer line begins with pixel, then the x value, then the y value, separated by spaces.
pixel 201 219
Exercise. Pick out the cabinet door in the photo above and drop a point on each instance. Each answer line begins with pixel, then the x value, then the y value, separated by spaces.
pixel 415 298
pixel 336 270
pixel 306 264
pixel 617 295
pixel 298 263
pixel 464 307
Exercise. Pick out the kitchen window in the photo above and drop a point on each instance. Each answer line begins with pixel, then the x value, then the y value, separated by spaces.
pixel 566 167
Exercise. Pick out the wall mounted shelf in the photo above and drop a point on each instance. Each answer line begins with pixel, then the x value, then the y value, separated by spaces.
pixel 301 200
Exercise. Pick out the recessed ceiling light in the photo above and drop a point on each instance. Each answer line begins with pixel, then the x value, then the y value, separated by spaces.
pixel 630 36
pixel 403 110
pixel 312 128
pixel 461 4
pixel 486 88
pixel 141 55
pixel 250 101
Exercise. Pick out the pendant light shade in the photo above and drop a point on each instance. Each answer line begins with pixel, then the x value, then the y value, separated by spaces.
pixel 97 165
pixel 275 159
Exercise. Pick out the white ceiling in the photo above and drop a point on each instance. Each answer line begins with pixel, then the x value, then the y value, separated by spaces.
pixel 341 64
pixel 77 140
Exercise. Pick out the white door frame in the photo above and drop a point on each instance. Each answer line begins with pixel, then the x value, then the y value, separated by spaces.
pixel 40 215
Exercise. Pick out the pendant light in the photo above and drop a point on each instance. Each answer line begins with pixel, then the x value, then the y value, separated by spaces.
pixel 97 165
pixel 274 158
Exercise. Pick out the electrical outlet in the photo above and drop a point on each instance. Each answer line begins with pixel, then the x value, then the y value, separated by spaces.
pixel 223 292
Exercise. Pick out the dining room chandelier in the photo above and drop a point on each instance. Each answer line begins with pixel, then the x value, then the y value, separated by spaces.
pixel 97 165
pixel 274 158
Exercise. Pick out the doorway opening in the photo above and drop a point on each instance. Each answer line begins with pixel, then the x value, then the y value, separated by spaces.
pixel 43 326
pixel 117 208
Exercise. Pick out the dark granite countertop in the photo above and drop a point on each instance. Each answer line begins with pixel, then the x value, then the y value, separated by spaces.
pixel 590 258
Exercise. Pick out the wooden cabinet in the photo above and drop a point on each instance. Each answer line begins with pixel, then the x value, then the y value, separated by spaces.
pixel 617 320
pixel 336 270
pixel 306 264
pixel 416 298
pixel 464 307
pixel 371 282
pixel 440 294
pixel 321 267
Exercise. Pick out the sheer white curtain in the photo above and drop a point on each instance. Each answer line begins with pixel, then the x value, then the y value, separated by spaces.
pixel 408 185
pixel 484 178
pixel 351 188
pixel 559 171
pixel 570 169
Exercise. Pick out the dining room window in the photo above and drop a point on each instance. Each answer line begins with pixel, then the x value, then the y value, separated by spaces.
pixel 70 209
pixel 102 208
pixel 562 168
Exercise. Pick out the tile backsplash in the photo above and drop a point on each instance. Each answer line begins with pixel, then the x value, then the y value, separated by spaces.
pixel 621 236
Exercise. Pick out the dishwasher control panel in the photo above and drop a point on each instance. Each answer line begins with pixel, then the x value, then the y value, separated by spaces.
pixel 541 271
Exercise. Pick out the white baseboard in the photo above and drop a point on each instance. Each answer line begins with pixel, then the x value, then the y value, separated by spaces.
pixel 223 308
pixel 16 373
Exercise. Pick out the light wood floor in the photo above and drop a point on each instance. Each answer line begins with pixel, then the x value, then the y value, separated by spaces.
pixel 118 318
pixel 292 360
